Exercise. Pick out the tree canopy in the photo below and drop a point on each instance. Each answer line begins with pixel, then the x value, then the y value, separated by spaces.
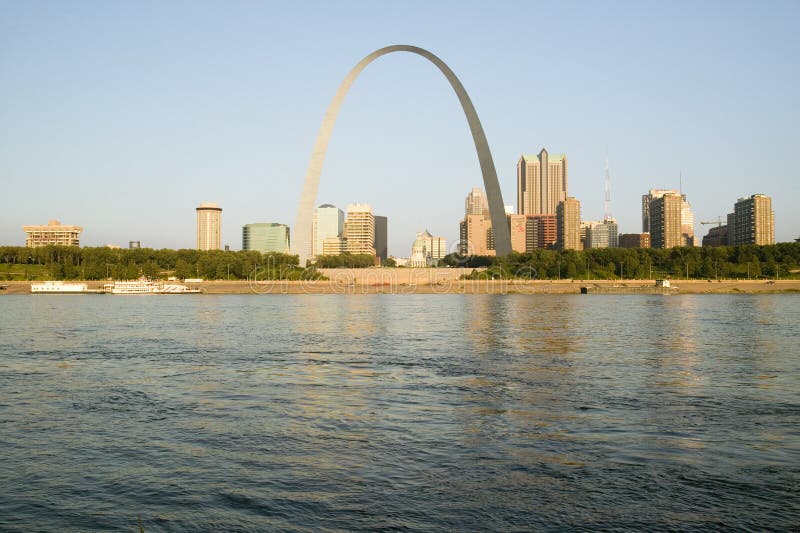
pixel 71 262
pixel 718 262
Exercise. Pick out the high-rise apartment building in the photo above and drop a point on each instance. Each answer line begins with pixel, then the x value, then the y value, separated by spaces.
pixel 328 222
pixel 665 221
pixel 686 220
pixel 753 221
pixel 541 183
pixel 646 199
pixel 266 237
pixel 54 233
pixel 359 229
pixel 209 226
pixel 381 242
pixel 568 224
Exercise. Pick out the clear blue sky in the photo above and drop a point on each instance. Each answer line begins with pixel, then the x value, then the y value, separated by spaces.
pixel 123 116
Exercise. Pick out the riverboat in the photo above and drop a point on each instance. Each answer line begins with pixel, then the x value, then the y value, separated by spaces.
pixel 147 286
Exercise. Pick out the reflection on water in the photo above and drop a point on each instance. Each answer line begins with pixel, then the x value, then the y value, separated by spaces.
pixel 399 412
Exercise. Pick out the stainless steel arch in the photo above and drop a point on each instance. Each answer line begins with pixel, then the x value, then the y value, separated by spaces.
pixel 301 240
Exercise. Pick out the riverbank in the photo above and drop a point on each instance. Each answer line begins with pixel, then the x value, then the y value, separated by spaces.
pixel 362 281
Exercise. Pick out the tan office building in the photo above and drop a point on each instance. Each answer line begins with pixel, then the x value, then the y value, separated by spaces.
pixel 753 221
pixel 209 226
pixel 475 230
pixel 541 183
pixel 359 229
pixel 568 224
pixel 52 234
pixel 665 221
pixel 476 203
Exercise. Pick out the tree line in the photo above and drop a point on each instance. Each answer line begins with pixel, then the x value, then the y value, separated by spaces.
pixel 89 263
pixel 780 260
pixel 718 262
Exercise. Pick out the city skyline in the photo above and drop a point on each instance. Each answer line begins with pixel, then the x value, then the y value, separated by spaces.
pixel 174 126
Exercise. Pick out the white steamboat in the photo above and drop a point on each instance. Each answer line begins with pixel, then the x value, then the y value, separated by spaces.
pixel 148 286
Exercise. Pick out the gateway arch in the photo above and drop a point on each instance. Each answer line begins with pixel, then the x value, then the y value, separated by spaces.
pixel 305 211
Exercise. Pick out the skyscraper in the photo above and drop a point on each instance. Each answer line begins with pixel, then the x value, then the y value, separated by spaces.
pixel 665 220
pixel 477 237
pixel 328 222
pixel 209 226
pixel 476 203
pixel 568 224
pixel 359 229
pixel 266 237
pixel 381 243
pixel 475 231
pixel 753 221
pixel 687 223
pixel 541 183
pixel 686 218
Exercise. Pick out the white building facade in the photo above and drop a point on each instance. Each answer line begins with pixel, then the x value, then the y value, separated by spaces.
pixel 328 223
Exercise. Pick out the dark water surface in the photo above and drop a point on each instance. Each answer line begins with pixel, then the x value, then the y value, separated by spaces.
pixel 425 412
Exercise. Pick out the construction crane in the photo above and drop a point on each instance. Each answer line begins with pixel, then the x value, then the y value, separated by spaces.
pixel 718 222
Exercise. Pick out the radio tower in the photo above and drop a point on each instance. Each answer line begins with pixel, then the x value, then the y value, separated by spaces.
pixel 608 191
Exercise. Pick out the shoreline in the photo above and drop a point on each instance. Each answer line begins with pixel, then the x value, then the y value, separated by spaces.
pixel 349 283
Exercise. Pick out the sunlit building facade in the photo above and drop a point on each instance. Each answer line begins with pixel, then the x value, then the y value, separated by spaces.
pixel 665 221
pixel 541 183
pixel 475 230
pixel 328 222
pixel 568 225
pixel 54 233
pixel 753 221
pixel 209 226
pixel 359 229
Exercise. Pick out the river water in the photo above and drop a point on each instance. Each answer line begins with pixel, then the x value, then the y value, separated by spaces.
pixel 416 412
